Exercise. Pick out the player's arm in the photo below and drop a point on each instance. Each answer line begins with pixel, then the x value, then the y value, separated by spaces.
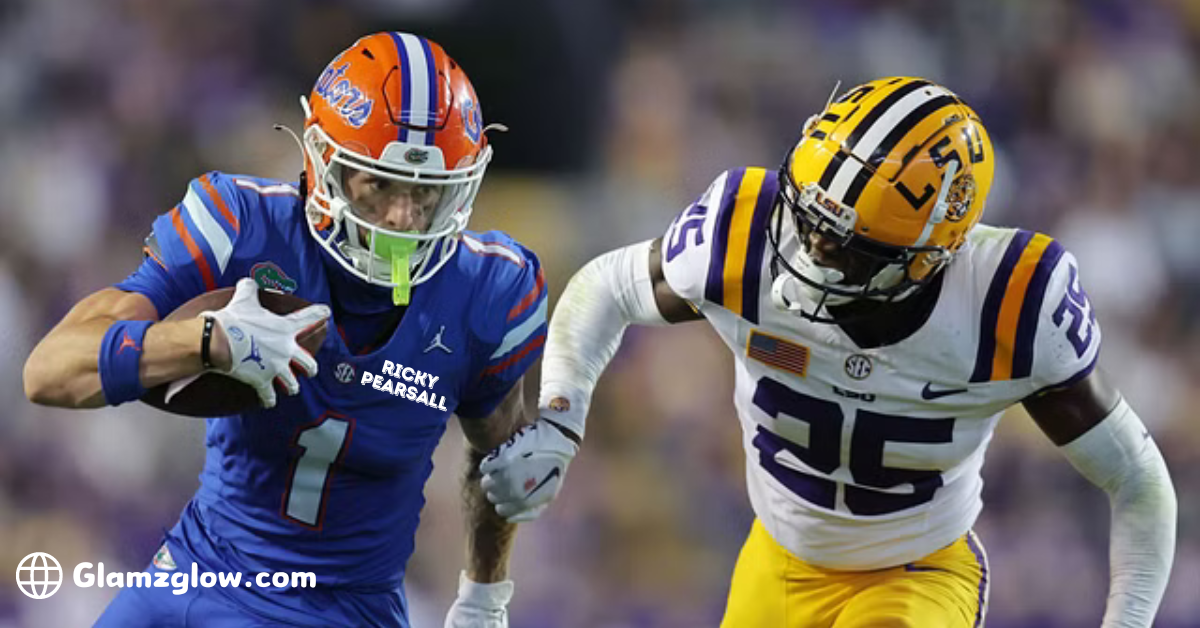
pixel 111 346
pixel 63 369
pixel 510 332
pixel 658 282
pixel 484 589
pixel 1105 440
pixel 489 536
pixel 1097 431
pixel 672 307
pixel 622 287
pixel 640 284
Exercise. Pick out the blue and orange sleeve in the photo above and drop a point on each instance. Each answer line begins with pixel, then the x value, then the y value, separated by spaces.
pixel 190 246
pixel 515 334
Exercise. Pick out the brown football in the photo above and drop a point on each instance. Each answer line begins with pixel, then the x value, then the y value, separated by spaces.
pixel 214 394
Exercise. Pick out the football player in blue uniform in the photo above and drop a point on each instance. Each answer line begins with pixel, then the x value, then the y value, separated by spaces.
pixel 427 319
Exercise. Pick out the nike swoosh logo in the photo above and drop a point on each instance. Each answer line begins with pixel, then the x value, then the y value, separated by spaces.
pixel 928 393
pixel 549 476
pixel 916 567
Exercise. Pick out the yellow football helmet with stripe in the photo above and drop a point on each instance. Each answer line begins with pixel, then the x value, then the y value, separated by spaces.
pixel 896 173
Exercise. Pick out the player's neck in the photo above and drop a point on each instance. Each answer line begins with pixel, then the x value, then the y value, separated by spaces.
pixel 366 315
pixel 872 324
pixel 353 295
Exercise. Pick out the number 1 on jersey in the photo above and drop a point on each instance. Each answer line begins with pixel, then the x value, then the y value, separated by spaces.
pixel 323 444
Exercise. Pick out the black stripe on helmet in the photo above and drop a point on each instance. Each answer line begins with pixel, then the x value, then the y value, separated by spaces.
pixel 889 142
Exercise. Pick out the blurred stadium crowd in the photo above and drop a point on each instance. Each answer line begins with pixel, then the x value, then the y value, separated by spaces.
pixel 621 113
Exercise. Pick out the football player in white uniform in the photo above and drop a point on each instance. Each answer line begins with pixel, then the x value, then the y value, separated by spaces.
pixel 878 333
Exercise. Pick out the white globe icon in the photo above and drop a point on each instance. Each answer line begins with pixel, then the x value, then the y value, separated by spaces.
pixel 39 575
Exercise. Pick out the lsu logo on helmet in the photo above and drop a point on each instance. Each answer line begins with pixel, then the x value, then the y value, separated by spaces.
pixel 885 148
pixel 896 170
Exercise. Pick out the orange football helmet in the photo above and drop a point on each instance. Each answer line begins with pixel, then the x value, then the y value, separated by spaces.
pixel 895 173
pixel 398 107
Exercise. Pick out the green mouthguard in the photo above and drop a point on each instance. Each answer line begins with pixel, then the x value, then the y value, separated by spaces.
pixel 398 250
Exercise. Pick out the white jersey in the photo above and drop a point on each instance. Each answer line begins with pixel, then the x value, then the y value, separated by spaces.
pixel 868 458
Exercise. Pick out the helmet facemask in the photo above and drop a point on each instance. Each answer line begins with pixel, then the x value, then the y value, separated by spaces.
pixel 869 270
pixel 884 186
pixel 377 255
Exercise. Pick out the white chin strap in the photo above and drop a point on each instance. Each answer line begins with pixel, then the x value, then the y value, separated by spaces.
pixel 380 268
pixel 789 293
pixel 359 252
pixel 816 273
pixel 785 293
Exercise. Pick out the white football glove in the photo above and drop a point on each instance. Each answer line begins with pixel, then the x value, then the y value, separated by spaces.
pixel 480 605
pixel 521 476
pixel 262 344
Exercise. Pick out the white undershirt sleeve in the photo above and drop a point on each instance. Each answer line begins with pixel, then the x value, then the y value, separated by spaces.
pixel 601 300
pixel 1119 456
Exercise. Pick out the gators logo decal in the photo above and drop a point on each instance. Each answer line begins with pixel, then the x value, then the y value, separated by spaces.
pixel 270 276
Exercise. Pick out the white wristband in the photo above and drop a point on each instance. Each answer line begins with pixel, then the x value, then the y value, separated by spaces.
pixel 494 595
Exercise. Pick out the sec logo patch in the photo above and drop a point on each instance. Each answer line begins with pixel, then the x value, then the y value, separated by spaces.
pixel 858 366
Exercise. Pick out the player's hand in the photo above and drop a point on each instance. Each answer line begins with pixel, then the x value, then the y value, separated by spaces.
pixel 480 605
pixel 262 345
pixel 521 476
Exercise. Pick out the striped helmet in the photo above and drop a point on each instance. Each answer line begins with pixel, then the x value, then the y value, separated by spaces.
pixel 894 173
pixel 398 107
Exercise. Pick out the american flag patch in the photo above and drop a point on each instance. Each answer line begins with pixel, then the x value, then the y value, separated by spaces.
pixel 778 353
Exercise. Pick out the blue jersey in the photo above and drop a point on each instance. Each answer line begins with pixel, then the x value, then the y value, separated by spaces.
pixel 330 480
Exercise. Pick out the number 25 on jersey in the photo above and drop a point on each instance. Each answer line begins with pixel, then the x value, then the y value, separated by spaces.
pixel 871 433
